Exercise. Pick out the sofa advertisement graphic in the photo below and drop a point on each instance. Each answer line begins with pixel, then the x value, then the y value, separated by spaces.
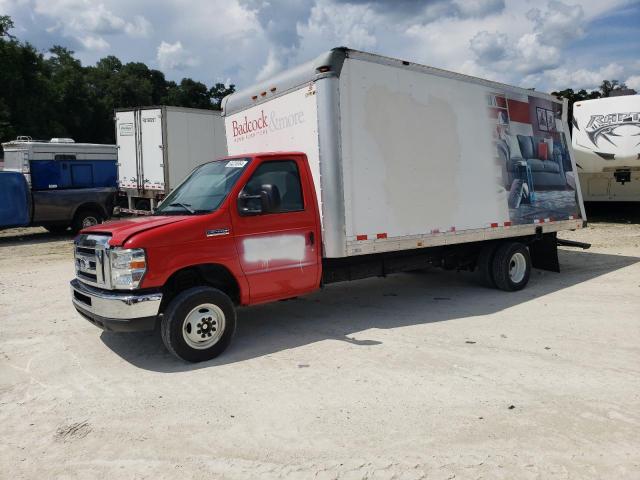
pixel 533 155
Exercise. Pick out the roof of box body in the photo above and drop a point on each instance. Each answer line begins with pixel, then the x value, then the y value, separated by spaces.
pixel 285 81
pixel 172 108
pixel 334 59
pixel 58 147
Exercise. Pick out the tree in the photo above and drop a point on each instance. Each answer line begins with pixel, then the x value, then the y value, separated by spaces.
pixel 58 96
pixel 610 87
pixel 189 94
pixel 219 91
pixel 573 97
pixel 605 90
pixel 24 76
pixel 6 24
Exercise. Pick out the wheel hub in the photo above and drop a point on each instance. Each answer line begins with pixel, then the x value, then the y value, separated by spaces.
pixel 517 267
pixel 89 222
pixel 203 326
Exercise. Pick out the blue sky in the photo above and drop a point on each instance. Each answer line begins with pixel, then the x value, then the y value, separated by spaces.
pixel 546 44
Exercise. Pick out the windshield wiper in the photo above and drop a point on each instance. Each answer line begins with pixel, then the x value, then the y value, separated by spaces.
pixel 186 206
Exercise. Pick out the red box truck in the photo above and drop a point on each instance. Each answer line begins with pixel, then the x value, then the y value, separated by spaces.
pixel 365 166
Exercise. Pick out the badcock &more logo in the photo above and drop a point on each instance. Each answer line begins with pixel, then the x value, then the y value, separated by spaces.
pixel 264 123
pixel 607 126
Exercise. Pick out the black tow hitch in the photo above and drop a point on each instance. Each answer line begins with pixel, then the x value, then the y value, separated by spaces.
pixel 622 176
pixel 573 243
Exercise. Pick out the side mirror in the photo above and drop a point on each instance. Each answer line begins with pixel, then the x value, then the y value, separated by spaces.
pixel 268 201
pixel 269 198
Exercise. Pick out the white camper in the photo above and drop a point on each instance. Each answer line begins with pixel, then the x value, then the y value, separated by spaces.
pixel 159 146
pixel 606 144
pixel 405 156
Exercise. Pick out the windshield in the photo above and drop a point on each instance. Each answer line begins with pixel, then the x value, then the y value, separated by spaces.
pixel 205 189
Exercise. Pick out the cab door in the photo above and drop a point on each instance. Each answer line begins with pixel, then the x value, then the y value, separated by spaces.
pixel 279 251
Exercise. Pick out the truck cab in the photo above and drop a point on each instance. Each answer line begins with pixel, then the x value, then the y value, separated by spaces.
pixel 238 231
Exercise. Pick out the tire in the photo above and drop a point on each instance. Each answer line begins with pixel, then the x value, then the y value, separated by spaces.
pixel 484 265
pixel 57 229
pixel 511 266
pixel 191 340
pixel 85 218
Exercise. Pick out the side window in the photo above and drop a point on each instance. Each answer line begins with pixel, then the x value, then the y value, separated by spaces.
pixel 282 174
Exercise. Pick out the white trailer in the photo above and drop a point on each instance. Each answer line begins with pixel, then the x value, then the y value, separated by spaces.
pixel 406 156
pixel 159 146
pixel 606 143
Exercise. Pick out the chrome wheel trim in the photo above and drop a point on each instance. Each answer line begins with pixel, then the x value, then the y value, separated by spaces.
pixel 517 267
pixel 203 326
pixel 89 221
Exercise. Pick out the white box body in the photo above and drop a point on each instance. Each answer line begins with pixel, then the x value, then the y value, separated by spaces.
pixel 159 146
pixel 406 156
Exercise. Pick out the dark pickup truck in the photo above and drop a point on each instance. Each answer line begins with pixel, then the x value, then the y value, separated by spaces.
pixel 56 210
pixel 57 184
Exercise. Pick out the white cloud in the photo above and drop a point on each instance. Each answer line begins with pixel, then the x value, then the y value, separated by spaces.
pixel 523 42
pixel 478 8
pixel 490 47
pixel 558 23
pixel 85 23
pixel 95 43
pixel 533 55
pixel 589 79
pixel 536 50
pixel 97 19
pixel 341 24
pixel 139 28
pixel 633 82
pixel 270 68
pixel 173 56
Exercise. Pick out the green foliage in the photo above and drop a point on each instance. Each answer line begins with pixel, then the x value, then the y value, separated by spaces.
pixel 56 96
pixel 219 91
pixel 6 24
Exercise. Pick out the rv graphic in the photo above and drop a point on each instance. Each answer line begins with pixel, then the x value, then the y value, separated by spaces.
pixel 607 126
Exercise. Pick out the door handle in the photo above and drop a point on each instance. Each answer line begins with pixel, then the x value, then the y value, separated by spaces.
pixel 312 238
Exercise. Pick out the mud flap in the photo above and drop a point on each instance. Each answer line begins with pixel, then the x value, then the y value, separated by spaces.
pixel 544 253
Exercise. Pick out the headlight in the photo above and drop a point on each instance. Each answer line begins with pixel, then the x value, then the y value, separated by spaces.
pixel 128 266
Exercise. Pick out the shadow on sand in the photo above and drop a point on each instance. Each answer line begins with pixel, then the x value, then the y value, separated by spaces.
pixel 31 236
pixel 340 311
pixel 613 212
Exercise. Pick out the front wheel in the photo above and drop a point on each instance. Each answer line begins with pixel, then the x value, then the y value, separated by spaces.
pixel 511 266
pixel 198 324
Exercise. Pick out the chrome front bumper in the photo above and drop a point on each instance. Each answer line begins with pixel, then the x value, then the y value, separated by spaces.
pixel 114 310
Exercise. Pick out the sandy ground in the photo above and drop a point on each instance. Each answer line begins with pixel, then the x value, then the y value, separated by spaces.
pixel 413 376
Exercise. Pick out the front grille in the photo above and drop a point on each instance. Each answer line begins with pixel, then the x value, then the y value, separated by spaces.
pixel 92 277
pixel 90 255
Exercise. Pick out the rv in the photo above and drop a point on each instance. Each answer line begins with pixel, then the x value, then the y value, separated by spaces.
pixel 606 144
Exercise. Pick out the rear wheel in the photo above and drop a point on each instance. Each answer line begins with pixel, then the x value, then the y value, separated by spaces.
pixel 198 324
pixel 484 265
pixel 85 218
pixel 511 266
